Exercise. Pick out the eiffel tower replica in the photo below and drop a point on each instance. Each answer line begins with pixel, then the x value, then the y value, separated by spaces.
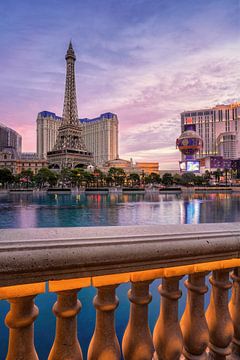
pixel 69 150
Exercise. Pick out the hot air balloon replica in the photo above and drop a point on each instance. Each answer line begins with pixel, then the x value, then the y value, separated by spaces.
pixel 189 143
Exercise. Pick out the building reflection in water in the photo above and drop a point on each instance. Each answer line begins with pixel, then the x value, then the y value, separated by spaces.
pixel 21 210
pixel 190 211
pixel 63 210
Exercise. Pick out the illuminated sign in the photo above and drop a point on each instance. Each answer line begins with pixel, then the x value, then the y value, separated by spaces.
pixel 193 166
pixel 182 165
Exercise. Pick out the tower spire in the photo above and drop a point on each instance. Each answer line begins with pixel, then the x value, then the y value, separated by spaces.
pixel 70 52
pixel 70 112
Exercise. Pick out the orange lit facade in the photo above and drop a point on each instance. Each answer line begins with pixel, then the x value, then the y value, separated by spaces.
pixel 147 167
pixel 130 167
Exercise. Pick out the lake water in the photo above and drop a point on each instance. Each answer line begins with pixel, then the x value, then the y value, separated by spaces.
pixel 41 210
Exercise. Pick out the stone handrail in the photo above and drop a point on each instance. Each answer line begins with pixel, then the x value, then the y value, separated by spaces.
pixel 73 258
pixel 33 255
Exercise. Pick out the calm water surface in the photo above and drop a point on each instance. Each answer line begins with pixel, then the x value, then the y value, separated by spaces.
pixel 39 210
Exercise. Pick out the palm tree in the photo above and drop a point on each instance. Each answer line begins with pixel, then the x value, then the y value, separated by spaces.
pixel 99 177
pixel 155 178
pixel 167 179
pixel 6 177
pixel 65 176
pixel 45 177
pixel 118 175
pixel 207 177
pixel 217 174
pixel 188 178
pixel 134 179
pixel 88 178
pixel 77 177
pixel 26 176
pixel 177 179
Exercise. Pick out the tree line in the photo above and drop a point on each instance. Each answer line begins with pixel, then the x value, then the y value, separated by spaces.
pixel 114 177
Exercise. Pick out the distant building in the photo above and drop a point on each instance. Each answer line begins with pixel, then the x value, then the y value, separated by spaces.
pixel 12 160
pixel 101 137
pixel 212 163
pixel 11 155
pixel 147 167
pixel 126 165
pixel 99 134
pixel 29 156
pixel 48 124
pixel 9 138
pixel 129 167
pixel 219 128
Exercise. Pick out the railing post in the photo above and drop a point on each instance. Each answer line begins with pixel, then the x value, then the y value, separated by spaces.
pixel 167 336
pixel 66 344
pixel 193 323
pixel 104 343
pixel 218 316
pixel 137 341
pixel 234 308
pixel 20 320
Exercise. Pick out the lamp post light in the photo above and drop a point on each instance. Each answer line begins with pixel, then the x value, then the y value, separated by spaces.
pixel 78 180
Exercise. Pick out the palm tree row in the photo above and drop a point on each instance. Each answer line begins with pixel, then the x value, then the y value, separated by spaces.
pixel 114 177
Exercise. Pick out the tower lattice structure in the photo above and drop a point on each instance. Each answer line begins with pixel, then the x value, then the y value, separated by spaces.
pixel 70 150
pixel 70 132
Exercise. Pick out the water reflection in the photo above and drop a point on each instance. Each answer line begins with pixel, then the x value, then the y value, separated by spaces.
pixel 49 210
pixel 190 212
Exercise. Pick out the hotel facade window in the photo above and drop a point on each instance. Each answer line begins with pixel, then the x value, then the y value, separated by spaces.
pixel 100 135
pixel 219 128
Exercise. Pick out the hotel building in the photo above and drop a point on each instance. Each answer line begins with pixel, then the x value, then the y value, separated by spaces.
pixel 11 155
pixel 147 167
pixel 219 128
pixel 100 135
pixel 15 162
pixel 9 138
pixel 129 167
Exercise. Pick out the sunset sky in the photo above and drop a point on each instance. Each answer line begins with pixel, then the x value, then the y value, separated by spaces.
pixel 145 60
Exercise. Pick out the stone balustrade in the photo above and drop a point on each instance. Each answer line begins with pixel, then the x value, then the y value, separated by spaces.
pixel 70 259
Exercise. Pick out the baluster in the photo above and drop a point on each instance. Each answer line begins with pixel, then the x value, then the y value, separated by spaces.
pixel 20 320
pixel 234 308
pixel 137 340
pixel 193 323
pixel 167 336
pixel 104 343
pixel 66 345
pixel 218 316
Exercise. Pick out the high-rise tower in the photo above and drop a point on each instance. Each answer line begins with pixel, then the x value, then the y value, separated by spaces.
pixel 69 150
